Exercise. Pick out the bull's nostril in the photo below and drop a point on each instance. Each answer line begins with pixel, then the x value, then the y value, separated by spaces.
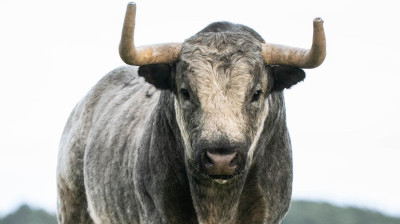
pixel 207 161
pixel 234 161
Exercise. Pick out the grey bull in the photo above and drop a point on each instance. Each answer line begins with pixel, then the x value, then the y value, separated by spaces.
pixel 194 132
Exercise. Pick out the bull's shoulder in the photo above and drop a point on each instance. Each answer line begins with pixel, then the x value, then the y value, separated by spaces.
pixel 111 101
pixel 119 87
pixel 119 93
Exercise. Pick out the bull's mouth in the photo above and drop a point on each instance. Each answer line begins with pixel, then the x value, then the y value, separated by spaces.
pixel 204 178
pixel 221 179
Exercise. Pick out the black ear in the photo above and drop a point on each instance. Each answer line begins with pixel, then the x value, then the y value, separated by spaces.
pixel 286 76
pixel 159 75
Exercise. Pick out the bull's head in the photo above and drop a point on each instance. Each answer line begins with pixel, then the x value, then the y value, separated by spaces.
pixel 221 82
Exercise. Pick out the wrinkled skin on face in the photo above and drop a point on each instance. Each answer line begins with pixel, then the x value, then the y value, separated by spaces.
pixel 221 86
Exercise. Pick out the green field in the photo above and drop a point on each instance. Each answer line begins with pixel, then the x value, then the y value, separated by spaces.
pixel 301 212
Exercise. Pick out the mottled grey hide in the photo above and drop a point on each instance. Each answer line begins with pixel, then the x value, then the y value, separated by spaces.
pixel 134 150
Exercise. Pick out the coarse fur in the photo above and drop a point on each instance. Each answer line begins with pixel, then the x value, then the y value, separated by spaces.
pixel 132 149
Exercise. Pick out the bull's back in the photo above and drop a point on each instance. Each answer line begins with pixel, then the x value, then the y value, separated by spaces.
pixel 96 151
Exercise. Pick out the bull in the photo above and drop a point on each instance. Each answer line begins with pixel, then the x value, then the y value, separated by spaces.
pixel 195 132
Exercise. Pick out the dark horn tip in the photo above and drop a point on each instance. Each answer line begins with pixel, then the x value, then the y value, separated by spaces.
pixel 318 20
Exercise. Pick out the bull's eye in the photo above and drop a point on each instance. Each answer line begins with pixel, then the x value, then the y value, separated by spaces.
pixel 256 96
pixel 185 94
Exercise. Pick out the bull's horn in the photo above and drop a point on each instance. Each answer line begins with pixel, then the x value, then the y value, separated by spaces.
pixel 283 55
pixel 152 54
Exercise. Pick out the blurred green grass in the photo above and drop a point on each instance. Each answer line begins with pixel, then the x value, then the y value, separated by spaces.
pixel 301 212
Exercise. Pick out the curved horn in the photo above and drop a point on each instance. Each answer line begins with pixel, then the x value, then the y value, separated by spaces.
pixel 152 54
pixel 283 55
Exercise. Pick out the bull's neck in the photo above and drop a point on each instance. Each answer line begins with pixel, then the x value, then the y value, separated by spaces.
pixel 215 202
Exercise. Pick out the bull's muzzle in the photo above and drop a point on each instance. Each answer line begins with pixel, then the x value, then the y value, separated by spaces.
pixel 219 164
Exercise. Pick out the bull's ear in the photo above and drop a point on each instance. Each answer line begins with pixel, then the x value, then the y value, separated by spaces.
pixel 286 76
pixel 159 75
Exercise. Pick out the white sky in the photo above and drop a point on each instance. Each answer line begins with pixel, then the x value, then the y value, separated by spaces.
pixel 344 119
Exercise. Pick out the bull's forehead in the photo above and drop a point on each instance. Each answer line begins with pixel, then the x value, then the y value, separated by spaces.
pixel 214 81
pixel 221 62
